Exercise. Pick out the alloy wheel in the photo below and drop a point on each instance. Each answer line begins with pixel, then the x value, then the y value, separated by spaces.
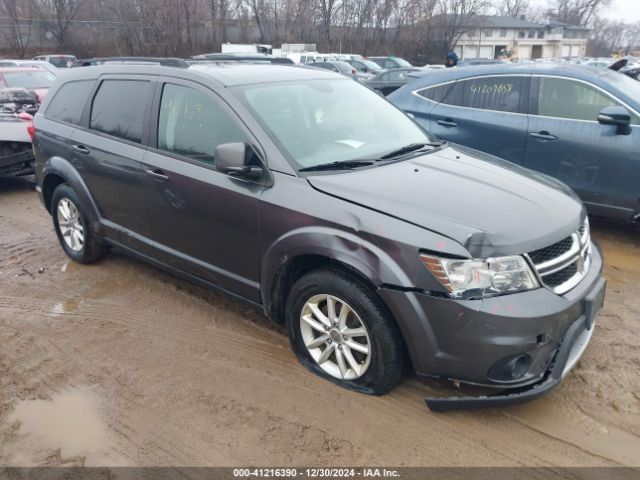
pixel 70 224
pixel 335 337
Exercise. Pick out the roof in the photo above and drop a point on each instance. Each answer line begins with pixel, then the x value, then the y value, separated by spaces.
pixel 580 72
pixel 567 26
pixel 502 21
pixel 493 21
pixel 224 74
pixel 21 69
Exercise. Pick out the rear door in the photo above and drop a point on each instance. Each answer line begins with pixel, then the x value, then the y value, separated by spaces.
pixel 566 141
pixel 202 221
pixel 107 150
pixel 487 113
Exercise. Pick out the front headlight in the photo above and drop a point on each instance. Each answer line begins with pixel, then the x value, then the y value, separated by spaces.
pixel 481 278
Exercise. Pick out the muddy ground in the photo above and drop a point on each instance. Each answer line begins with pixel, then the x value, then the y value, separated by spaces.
pixel 119 364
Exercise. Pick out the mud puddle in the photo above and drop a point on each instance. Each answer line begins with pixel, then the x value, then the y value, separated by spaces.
pixel 66 429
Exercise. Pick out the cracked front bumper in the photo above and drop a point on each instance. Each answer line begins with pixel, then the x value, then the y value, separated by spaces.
pixel 571 349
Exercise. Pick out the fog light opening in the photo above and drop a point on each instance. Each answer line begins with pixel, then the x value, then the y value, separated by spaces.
pixel 510 368
pixel 520 366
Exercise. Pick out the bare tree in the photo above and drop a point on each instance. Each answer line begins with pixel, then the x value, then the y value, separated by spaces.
pixel 327 10
pixel 19 15
pixel 59 15
pixel 456 17
pixel 513 8
pixel 575 12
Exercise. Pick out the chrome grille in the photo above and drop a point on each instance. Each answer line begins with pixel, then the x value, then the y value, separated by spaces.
pixel 562 265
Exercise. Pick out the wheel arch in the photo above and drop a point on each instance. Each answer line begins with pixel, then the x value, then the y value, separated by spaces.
pixel 58 170
pixel 310 247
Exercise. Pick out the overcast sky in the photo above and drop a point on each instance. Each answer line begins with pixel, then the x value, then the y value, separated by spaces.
pixel 627 10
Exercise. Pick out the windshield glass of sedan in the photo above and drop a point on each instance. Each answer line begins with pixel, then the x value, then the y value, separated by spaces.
pixel 371 65
pixel 626 85
pixel 34 79
pixel 321 121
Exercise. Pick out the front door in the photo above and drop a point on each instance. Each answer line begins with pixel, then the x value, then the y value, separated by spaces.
pixel 202 221
pixel 566 141
pixel 485 113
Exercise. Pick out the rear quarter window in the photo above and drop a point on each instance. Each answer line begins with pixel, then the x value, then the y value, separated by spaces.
pixel 69 101
pixel 438 93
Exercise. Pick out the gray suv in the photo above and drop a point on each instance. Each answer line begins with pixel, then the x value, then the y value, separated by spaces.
pixel 378 246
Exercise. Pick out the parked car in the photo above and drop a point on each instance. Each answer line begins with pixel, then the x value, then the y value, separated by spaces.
pixel 31 63
pixel 632 72
pixel 365 66
pixel 390 80
pixel 390 62
pixel 362 233
pixel 474 62
pixel 578 124
pixel 338 66
pixel 17 105
pixel 31 78
pixel 60 61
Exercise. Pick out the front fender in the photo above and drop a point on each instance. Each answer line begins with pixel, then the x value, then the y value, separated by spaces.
pixel 364 257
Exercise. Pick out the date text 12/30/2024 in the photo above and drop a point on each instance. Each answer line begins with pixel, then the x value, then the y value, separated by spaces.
pixel 315 473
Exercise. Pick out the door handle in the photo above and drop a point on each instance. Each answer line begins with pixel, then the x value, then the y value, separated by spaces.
pixel 80 149
pixel 157 174
pixel 447 123
pixel 543 136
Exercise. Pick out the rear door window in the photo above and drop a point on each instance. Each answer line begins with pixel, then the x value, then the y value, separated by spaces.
pixel 119 108
pixel 192 124
pixel 69 101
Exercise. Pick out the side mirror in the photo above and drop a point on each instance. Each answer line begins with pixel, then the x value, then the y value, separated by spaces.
pixel 231 158
pixel 617 116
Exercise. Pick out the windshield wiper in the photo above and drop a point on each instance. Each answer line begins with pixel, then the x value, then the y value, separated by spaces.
pixel 412 147
pixel 339 165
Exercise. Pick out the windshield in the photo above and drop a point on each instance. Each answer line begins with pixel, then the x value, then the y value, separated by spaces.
pixel 401 62
pixel 33 79
pixel 321 121
pixel 371 65
pixel 626 85
pixel 62 61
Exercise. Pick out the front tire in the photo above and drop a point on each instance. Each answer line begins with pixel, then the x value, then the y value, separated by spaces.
pixel 340 330
pixel 78 240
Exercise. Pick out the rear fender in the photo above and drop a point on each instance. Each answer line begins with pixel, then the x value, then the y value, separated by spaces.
pixel 62 168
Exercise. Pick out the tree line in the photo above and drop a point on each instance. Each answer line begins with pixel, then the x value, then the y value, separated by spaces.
pixel 186 27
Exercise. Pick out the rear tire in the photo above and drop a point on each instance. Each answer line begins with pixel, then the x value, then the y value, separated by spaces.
pixel 362 351
pixel 78 239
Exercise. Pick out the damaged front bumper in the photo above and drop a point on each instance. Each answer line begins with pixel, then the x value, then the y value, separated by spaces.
pixel 569 352
pixel 19 161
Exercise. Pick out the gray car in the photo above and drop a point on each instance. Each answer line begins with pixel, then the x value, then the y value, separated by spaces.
pixel 376 245
pixel 578 124
pixel 389 81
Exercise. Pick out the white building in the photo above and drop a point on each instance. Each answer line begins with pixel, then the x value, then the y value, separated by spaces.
pixel 496 36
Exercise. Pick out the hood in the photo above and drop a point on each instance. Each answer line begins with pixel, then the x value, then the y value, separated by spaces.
pixel 490 206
